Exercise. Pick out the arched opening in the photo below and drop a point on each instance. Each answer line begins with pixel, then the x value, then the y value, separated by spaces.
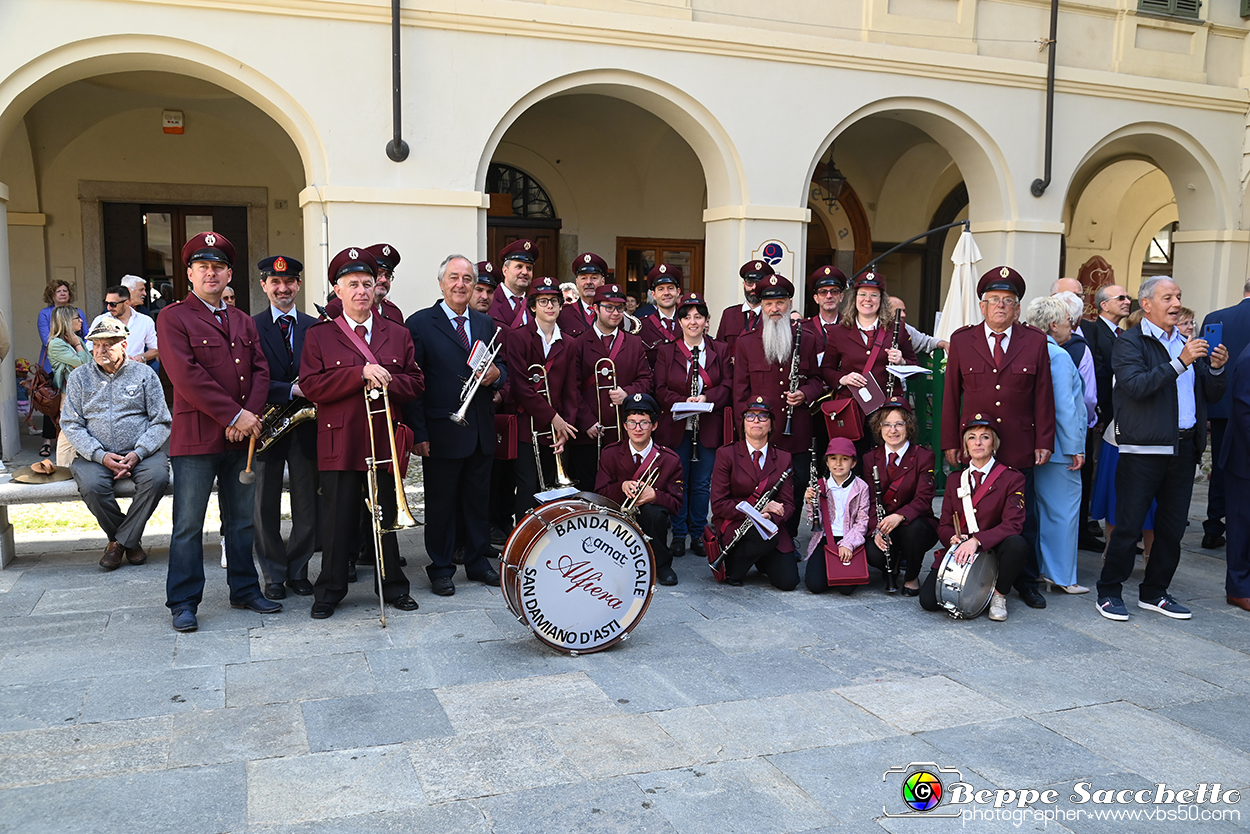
pixel 629 165
pixel 915 165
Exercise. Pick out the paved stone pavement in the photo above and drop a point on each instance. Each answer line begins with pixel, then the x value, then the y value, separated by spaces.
pixel 730 709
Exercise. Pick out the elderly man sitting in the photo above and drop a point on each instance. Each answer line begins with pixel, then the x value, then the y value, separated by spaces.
pixel 115 417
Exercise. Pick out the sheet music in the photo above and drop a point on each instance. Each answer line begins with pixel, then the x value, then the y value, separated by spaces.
pixel 766 528
pixel 904 371
pixel 683 410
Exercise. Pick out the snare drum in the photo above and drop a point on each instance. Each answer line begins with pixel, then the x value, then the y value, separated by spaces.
pixel 579 574
pixel 965 590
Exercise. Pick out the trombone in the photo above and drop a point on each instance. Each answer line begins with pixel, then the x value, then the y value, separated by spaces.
pixel 378 401
pixel 469 390
pixel 538 376
pixel 606 368
pixel 648 479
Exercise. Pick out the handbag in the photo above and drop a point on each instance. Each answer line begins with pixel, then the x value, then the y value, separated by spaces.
pixel 843 418
pixel 711 544
pixel 44 395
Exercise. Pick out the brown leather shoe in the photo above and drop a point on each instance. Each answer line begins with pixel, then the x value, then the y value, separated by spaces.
pixel 1241 602
pixel 136 555
pixel 112 558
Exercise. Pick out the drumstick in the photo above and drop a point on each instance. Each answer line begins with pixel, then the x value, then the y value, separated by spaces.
pixel 247 476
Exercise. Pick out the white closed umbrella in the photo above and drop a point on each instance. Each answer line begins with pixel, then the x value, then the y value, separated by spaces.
pixel 961 307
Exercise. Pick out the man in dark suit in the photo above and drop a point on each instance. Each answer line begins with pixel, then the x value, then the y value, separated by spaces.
pixel 1236 335
pixel 589 271
pixel 387 258
pixel 212 355
pixel 626 465
pixel 737 319
pixel 281 328
pixel 1113 305
pixel 761 368
pixel 457 466
pixel 341 359
pixel 661 327
pixel 1001 369
pixel 508 308
pixel 1234 458
pixel 1163 383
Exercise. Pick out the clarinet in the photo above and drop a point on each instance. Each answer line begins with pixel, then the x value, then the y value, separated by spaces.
pixel 794 376
pixel 876 491
pixel 694 392
pixel 812 479
pixel 889 384
pixel 746 523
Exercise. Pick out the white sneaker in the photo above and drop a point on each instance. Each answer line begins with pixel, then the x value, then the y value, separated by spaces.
pixel 223 551
pixel 998 607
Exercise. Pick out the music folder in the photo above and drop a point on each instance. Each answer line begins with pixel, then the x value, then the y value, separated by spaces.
pixel 870 397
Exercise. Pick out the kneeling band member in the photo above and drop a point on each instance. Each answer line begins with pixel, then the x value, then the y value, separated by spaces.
pixel 626 468
pixel 995 494
pixel 840 503
pixel 900 479
pixel 342 358
pixel 746 471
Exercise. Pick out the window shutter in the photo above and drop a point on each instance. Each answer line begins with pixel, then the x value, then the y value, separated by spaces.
pixel 1187 8
pixel 1177 8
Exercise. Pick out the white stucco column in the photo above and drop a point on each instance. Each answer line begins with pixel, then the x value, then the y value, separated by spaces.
pixel 10 439
pixel 1210 267
pixel 1031 247
pixel 733 233
pixel 431 225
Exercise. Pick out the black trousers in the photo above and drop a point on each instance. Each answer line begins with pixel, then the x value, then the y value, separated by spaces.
pixel 755 551
pixel 1216 490
pixel 1029 575
pixel 1012 554
pixel 909 544
pixel 583 462
pixel 280 561
pixel 653 519
pixel 344 494
pixel 451 484
pixel 1093 441
pixel 1139 480
pixel 816 574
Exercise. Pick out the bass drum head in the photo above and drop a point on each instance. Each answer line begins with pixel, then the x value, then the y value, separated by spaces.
pixel 580 575
pixel 965 591
pixel 599 500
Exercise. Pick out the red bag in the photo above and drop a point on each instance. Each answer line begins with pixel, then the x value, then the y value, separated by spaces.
pixel 843 418
pixel 44 395
pixel 505 437
pixel 854 572
pixel 711 544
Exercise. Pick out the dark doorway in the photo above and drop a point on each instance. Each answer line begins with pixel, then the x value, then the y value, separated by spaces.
pixel 146 239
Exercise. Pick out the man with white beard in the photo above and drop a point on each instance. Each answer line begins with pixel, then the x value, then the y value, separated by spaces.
pixel 763 359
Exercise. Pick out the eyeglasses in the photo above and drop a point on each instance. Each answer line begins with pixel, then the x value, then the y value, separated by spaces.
pixel 112 303
pixel 547 302
pixel 826 292
pixel 1118 298
pixel 612 308
pixel 999 302
pixel 750 280
pixel 893 425
pixel 756 417
pixel 637 424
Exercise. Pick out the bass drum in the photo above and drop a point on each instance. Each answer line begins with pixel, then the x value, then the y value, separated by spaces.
pixel 965 590
pixel 579 574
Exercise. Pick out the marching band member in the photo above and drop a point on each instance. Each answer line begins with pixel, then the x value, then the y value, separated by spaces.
pixel 457 465
pixel 590 271
pixel 541 342
pixel 996 495
pixel 738 319
pixel 675 380
pixel 341 358
pixel 597 411
pixel 904 489
pixel 387 258
pixel 508 308
pixel 745 471
pixel 661 327
pixel 624 470
pixel 220 379
pixel 762 363
pixel 282 329
pixel 484 289
pixel 828 283
pixel 841 512
pixel 864 344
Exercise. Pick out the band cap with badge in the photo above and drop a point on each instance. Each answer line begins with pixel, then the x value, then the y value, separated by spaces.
pixel 872 280
pixel 775 286
pixel 691 299
pixel 664 274
pixel 754 271
pixel 609 292
pixel 281 266
pixel 486 273
pixel 208 246
pixel 519 250
pixel 828 276
pixel 386 256
pixel 1002 278
pixel 588 262
pixel 350 260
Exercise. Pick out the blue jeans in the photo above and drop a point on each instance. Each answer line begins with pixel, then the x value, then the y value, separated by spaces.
pixel 193 485
pixel 697 496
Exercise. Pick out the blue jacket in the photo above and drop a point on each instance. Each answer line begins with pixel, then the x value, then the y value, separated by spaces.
pixel 1070 414
pixel 1235 454
pixel 1236 320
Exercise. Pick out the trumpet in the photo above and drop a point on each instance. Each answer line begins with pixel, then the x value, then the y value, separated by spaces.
pixel 648 479
pixel 469 390
pixel 538 376
pixel 606 368
pixel 378 401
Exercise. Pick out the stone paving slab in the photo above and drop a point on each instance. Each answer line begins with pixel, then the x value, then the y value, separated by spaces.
pixel 605 806
pixel 297 679
pixel 118 697
pixel 373 720
pixel 936 702
pixel 475 764
pixel 551 699
pixel 238 734
pixel 37 706
pixel 62 754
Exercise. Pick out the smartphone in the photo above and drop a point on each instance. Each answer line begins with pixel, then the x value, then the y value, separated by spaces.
pixel 1214 334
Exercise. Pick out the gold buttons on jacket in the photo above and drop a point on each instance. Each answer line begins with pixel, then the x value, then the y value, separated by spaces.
pixel 236 361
